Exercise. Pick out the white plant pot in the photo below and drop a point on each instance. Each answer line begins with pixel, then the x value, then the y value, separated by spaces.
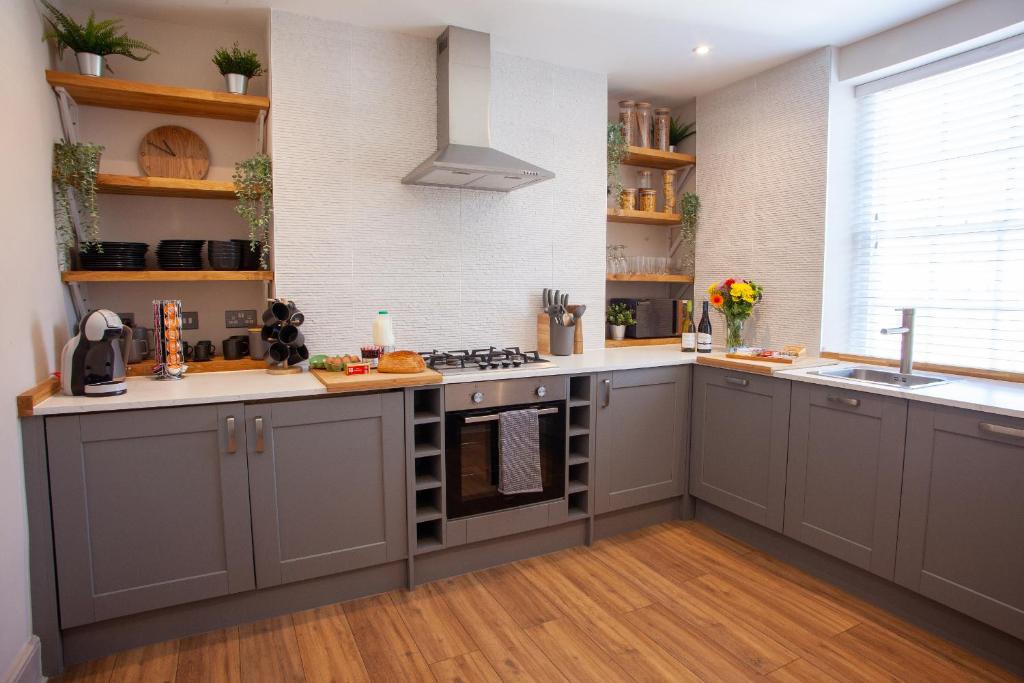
pixel 89 64
pixel 236 84
pixel 618 332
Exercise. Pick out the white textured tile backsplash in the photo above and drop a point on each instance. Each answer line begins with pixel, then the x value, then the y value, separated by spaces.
pixel 762 150
pixel 353 111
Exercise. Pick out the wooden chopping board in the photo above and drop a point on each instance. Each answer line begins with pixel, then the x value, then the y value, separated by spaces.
pixel 718 359
pixel 339 382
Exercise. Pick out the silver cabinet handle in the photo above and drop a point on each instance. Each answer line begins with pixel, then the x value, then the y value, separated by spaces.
pixel 493 417
pixel 607 393
pixel 232 436
pixel 1001 430
pixel 737 381
pixel 259 434
pixel 852 402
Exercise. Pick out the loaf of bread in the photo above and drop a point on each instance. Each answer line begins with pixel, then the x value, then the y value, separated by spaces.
pixel 401 362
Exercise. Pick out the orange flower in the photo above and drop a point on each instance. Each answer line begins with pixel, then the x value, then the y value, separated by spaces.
pixel 717 300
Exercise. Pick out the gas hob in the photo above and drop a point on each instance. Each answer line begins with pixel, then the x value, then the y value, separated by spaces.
pixel 491 359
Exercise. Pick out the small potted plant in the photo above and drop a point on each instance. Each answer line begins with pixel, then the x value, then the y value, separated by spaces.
pixel 254 188
pixel 92 42
pixel 619 316
pixel 237 67
pixel 678 132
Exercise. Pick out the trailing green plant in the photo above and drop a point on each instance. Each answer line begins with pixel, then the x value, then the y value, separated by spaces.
pixel 689 209
pixel 97 37
pixel 619 314
pixel 238 61
pixel 254 188
pixel 75 166
pixel 678 132
pixel 616 153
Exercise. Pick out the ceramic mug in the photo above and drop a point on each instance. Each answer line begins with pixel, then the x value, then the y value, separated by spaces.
pixel 204 351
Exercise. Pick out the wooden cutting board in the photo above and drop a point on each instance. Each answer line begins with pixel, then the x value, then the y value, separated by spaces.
pixel 339 382
pixel 719 359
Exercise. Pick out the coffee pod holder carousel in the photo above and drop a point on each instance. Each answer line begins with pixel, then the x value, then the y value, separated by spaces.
pixel 170 347
pixel 286 346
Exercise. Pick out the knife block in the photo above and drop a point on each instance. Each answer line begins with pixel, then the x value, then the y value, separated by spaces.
pixel 544 333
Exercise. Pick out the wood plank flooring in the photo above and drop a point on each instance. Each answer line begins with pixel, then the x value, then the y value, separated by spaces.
pixel 673 602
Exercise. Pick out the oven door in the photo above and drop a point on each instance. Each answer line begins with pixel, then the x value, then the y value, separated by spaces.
pixel 472 460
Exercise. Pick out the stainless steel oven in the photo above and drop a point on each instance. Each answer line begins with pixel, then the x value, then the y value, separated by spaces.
pixel 471 442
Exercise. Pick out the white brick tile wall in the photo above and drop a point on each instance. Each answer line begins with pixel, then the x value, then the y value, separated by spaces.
pixel 761 150
pixel 353 111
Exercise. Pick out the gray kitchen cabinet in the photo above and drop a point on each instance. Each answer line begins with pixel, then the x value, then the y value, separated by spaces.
pixel 642 436
pixel 844 474
pixel 739 439
pixel 961 530
pixel 150 509
pixel 327 481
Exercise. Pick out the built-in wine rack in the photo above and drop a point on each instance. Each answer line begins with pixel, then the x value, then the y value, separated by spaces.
pixel 579 447
pixel 425 468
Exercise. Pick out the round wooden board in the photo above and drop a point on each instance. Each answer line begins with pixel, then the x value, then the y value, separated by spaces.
pixel 174 152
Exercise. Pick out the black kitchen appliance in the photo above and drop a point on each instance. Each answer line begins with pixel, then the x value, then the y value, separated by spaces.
pixel 654 317
pixel 472 411
pixel 93 361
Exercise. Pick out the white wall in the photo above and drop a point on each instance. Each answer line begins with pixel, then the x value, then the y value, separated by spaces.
pixel 762 150
pixel 35 319
pixel 354 110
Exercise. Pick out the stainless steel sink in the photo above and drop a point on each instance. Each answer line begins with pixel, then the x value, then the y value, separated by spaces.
pixel 887 377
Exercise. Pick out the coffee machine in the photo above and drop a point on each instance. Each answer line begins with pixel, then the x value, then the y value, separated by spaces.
pixel 93 361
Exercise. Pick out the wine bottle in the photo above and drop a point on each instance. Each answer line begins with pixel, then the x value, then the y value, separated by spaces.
pixel 704 331
pixel 689 336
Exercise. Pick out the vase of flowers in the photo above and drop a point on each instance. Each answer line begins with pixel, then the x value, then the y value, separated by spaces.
pixel 735 299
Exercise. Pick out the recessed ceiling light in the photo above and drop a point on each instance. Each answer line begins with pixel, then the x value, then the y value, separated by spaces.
pixel 701 50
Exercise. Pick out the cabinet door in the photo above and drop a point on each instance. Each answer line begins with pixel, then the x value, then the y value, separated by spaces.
pixel 327 482
pixel 740 436
pixel 844 474
pixel 961 539
pixel 642 434
pixel 150 509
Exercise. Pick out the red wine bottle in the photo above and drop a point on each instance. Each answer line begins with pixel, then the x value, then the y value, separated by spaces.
pixel 704 331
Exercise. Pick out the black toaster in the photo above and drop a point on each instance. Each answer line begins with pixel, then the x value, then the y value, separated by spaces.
pixel 654 317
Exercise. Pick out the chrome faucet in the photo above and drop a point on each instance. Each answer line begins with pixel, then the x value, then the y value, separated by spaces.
pixel 907 345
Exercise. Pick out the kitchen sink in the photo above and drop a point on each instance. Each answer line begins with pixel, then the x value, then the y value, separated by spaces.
pixel 887 377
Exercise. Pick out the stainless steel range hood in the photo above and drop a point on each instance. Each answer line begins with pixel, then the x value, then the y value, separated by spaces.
pixel 464 156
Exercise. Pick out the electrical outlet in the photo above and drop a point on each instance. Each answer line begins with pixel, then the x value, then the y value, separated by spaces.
pixel 127 318
pixel 244 318
pixel 190 320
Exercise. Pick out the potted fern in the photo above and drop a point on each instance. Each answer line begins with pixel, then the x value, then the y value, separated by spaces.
pixel 237 66
pixel 93 41
pixel 678 132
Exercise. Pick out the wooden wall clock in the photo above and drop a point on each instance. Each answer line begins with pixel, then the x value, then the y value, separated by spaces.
pixel 174 152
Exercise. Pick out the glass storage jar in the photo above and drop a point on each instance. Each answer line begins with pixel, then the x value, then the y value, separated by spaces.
pixel 627 198
pixel 643 179
pixel 668 189
pixel 648 200
pixel 643 124
pixel 662 119
pixel 627 117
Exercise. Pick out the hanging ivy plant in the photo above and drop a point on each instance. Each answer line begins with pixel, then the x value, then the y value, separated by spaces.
pixel 75 166
pixel 254 187
pixel 689 208
pixel 616 153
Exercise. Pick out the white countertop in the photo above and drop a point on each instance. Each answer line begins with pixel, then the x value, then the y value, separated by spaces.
pixel 985 395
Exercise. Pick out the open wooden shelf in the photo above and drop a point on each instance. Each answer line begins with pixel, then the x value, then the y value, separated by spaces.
pixel 654 341
pixel 166 275
pixel 643 217
pixel 110 183
pixel 655 158
pixel 641 277
pixel 161 99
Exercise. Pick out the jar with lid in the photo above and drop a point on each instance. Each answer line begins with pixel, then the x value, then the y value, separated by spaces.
pixel 668 189
pixel 648 200
pixel 643 124
pixel 662 121
pixel 643 179
pixel 627 117
pixel 627 198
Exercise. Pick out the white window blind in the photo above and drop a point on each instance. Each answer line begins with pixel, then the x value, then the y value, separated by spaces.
pixel 939 216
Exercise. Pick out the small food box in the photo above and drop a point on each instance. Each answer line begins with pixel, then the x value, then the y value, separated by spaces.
pixel 357 369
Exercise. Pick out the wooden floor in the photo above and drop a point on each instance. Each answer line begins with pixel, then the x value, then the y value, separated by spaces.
pixel 675 602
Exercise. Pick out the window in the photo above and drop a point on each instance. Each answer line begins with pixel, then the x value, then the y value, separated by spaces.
pixel 939 215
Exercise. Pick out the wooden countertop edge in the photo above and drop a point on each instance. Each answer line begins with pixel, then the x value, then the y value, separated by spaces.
pixel 28 400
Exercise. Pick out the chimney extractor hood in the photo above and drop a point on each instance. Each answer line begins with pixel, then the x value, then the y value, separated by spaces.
pixel 464 156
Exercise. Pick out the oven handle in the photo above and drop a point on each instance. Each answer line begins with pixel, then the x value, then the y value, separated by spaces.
pixel 473 419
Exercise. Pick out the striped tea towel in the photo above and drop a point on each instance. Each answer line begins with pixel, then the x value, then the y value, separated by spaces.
pixel 519 452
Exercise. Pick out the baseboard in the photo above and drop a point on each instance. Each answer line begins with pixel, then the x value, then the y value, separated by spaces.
pixel 631 519
pixel 28 666
pixel 981 639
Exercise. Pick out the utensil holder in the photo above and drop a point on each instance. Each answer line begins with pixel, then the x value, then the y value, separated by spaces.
pixel 544 333
pixel 561 338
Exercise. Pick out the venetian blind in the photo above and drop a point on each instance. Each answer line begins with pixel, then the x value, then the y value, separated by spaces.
pixel 939 216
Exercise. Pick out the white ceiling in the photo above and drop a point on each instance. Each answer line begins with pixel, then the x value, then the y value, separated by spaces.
pixel 645 46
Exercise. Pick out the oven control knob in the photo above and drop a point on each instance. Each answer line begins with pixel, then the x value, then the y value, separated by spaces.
pixel 478 397
pixel 542 391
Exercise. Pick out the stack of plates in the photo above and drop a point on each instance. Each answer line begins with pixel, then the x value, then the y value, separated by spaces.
pixel 224 255
pixel 114 256
pixel 180 254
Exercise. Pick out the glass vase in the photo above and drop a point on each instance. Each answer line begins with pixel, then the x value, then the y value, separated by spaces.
pixel 733 333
